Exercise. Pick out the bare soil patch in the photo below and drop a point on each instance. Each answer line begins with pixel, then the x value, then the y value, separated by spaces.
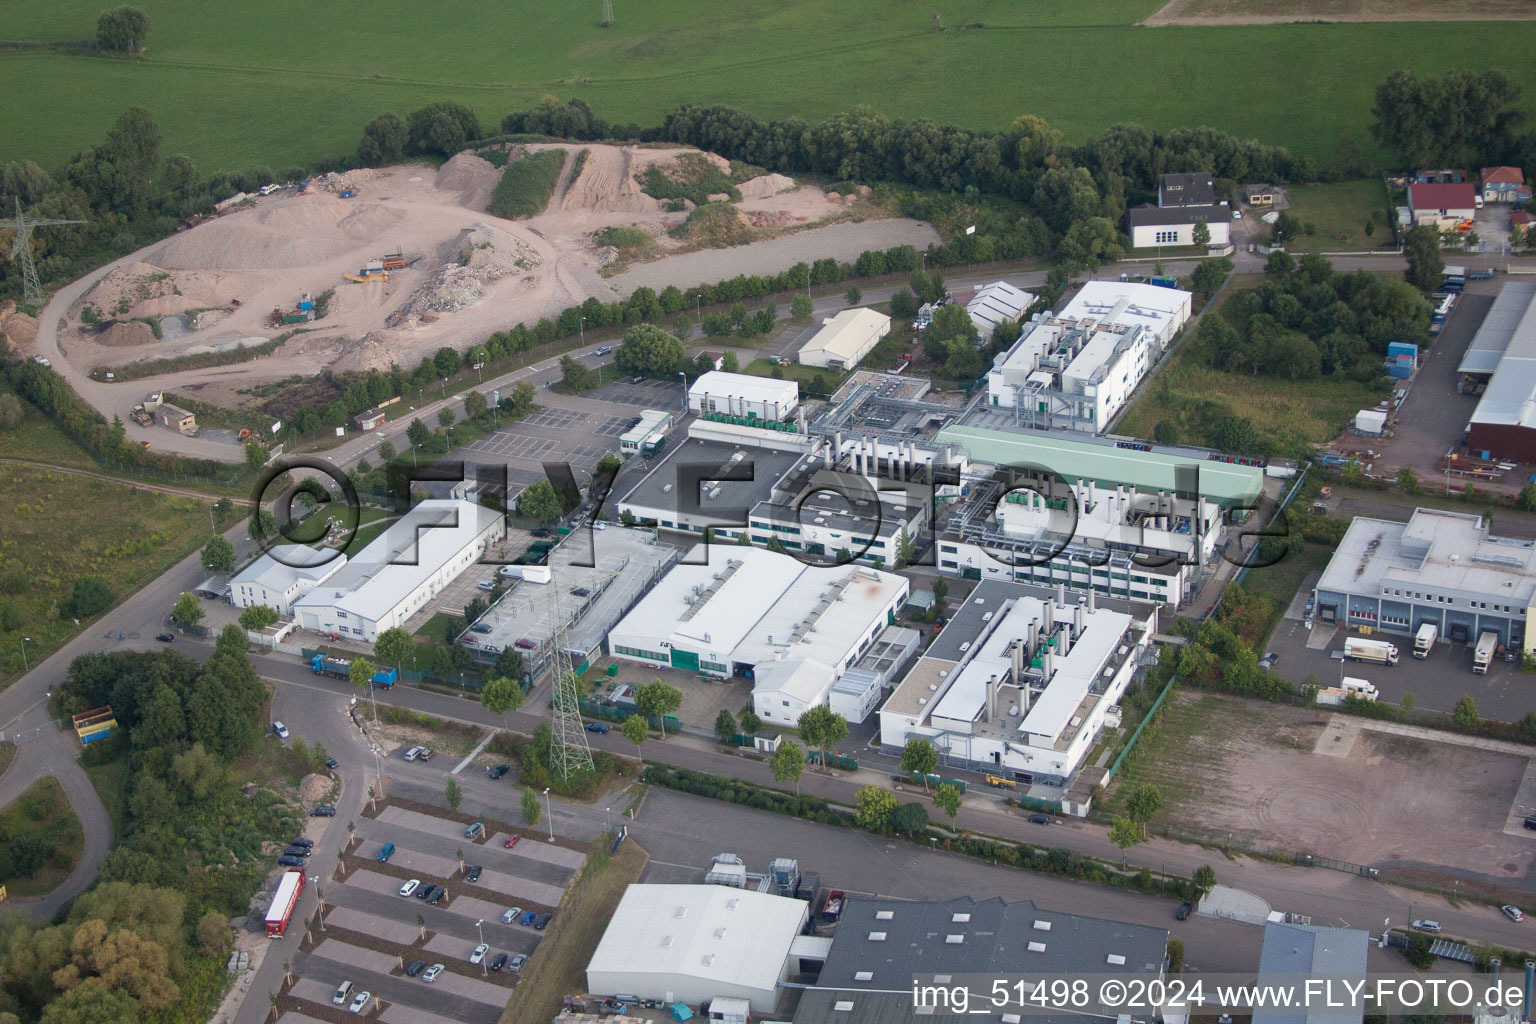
pixel 1270 12
pixel 1247 769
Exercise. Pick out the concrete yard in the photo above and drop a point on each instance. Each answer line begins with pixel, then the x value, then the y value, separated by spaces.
pixel 371 924
pixel 1307 780
pixel 356 957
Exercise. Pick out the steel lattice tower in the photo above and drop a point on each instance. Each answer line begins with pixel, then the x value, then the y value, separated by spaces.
pixel 21 251
pixel 568 744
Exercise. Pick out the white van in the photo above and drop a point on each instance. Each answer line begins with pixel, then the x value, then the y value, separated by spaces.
pixel 342 991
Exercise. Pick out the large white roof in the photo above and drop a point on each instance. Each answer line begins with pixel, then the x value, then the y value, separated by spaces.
pixel 996 303
pixel 745 385
pixel 1145 304
pixel 725 935
pixel 403 557
pixel 844 334
pixel 1510 399
pixel 285 564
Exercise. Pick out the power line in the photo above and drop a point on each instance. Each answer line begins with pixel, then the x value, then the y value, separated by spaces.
pixel 21 250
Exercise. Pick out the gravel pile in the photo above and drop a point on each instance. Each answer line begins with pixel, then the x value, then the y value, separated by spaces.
pixel 296 233
pixel 478 257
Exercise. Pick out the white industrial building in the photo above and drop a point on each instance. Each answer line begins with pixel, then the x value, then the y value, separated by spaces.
pixel 845 339
pixel 405 567
pixel 282 575
pixel 744 396
pixel 794 629
pixel 997 303
pixel 1183 200
pixel 695 943
pixel 1075 370
pixel 1020 682
pixel 653 425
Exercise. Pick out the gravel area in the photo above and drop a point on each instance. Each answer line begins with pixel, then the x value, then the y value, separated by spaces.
pixel 843 241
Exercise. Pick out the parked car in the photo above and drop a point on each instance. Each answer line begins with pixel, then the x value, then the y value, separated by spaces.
pixel 511 841
pixel 431 973
pixel 541 531
pixel 528 917
pixel 332 763
pixel 582 591
pixel 342 991
pixel 359 1001
pixel 438 892
pixel 541 921
pixel 386 851
pixel 1530 823
pixel 298 851
pixel 498 771
pixel 410 887
pixel 1185 909
pixel 425 754
pixel 166 638
pixel 474 831
pixel 1039 819
pixel 280 730
pixel 479 953
pixel 288 860
pixel 413 753
pixel 480 627
pixel 517 963
pixel 1513 912
pixel 1433 927
pixel 498 961
pixel 510 914
pixel 473 875
pixel 598 727
pixel 425 891
pixel 323 811
pixel 416 968
pixel 486 585
pixel 301 841
pixel 525 644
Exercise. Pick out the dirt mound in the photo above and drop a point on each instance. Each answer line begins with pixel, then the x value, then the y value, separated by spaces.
pixel 19 329
pixel 295 233
pixel 478 257
pixel 147 290
pixel 314 788
pixel 464 172
pixel 126 335
pixel 765 185
pixel 607 185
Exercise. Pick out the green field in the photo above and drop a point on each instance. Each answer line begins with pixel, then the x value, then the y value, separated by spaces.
pixel 42 820
pixel 272 82
pixel 1339 211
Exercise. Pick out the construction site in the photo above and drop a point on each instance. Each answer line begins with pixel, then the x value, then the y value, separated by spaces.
pixel 371 268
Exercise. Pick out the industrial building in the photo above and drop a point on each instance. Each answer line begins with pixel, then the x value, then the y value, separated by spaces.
pixel 792 628
pixel 614 566
pixel 1294 952
pixel 845 339
pixel 743 396
pixel 1445 568
pixel 1501 359
pixel 858 692
pixel 998 303
pixel 677 493
pixel 1076 369
pixel 885 947
pixel 402 569
pixel 646 435
pixel 279 577
pixel 1020 682
pixel 694 943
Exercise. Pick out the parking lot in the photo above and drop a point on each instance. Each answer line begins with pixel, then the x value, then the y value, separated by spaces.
pixel 646 393
pixel 371 934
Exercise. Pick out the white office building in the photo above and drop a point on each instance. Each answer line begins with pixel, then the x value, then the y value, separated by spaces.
pixel 697 943
pixel 794 629
pixel 1076 369
pixel 281 576
pixel 405 567
pixel 744 396
pixel 1022 687
pixel 845 339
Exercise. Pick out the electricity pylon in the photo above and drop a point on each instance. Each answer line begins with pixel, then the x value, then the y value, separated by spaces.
pixel 21 251
pixel 568 744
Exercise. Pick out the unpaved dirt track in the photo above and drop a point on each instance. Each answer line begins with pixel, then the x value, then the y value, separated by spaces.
pixel 1279 12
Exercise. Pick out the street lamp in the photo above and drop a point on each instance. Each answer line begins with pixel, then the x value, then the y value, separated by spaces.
pixel 549 815
pixel 607 822
pixel 483 971
pixel 24 641
pixel 583 330
pixel 683 375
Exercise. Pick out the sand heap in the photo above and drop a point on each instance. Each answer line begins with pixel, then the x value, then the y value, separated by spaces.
pixel 298 232
pixel 473 177
pixel 479 256
pixel 125 334
pixel 151 291
pixel 607 185
pixel 765 185
pixel 18 328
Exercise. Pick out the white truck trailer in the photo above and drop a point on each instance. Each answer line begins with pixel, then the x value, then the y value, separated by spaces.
pixel 1379 651
pixel 1424 639
pixel 1348 687
pixel 1486 645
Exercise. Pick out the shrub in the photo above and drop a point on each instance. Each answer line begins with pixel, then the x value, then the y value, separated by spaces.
pixel 527 184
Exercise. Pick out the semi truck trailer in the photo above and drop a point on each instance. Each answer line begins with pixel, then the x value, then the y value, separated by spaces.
pixel 1424 639
pixel 1486 645
pixel 1379 651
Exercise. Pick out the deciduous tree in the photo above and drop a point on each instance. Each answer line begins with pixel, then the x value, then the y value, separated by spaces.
pixel 501 696
pixel 219 555
pixel 876 805
pixel 788 763
pixel 920 756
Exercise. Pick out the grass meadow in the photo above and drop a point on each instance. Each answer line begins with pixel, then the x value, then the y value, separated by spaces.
pixel 274 82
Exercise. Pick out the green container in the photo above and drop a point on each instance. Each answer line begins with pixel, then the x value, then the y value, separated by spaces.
pixel 613 670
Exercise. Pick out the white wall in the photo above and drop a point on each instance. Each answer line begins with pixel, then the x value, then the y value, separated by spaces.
pixel 1146 236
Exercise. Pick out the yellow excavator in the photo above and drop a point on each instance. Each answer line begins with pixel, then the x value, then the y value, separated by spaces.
pixel 366 278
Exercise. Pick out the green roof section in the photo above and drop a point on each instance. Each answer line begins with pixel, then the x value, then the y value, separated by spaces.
pixel 1106 464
